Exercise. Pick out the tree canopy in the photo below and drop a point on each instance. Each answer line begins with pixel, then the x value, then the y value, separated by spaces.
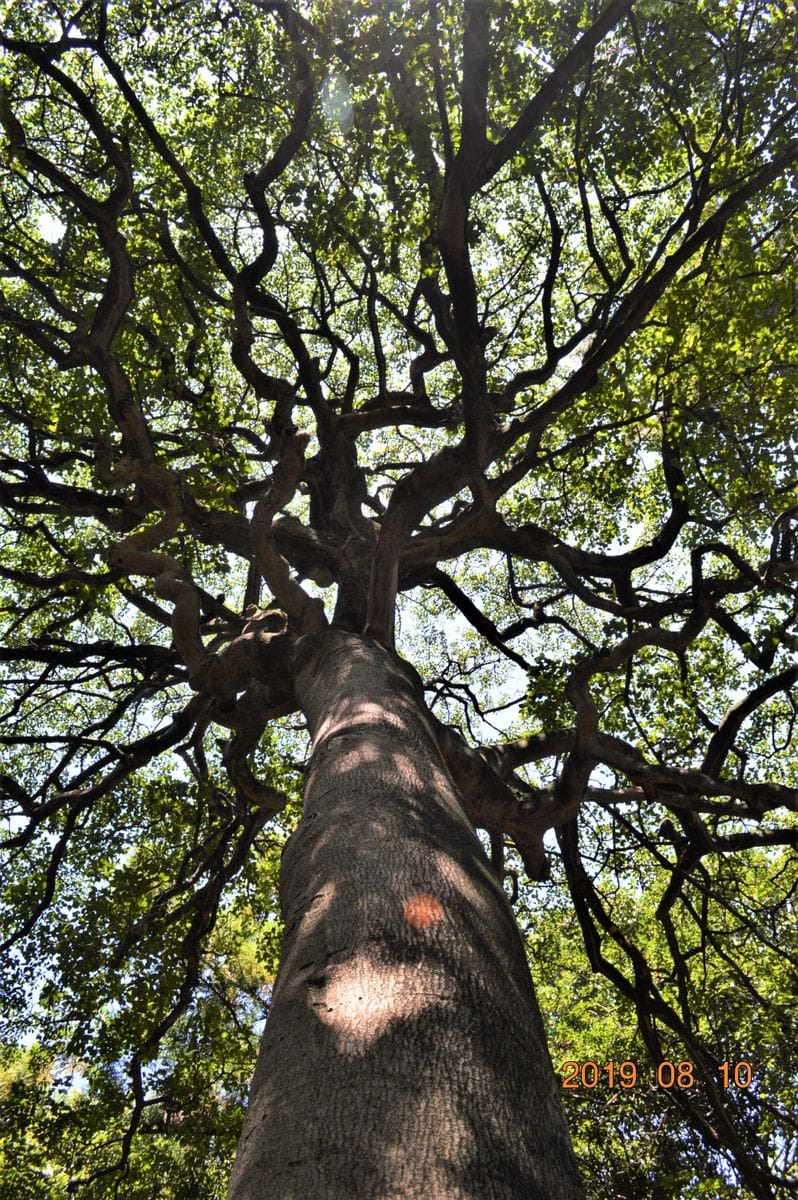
pixel 470 327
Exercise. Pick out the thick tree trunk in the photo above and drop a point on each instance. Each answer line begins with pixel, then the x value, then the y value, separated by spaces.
pixel 404 1057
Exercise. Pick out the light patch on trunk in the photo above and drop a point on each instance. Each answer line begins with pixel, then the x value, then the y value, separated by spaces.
pixel 454 873
pixel 317 909
pixel 347 715
pixel 361 999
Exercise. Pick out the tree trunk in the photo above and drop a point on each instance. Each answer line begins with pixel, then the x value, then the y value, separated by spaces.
pixel 404 1057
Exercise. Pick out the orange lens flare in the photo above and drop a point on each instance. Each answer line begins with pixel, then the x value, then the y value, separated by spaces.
pixel 422 910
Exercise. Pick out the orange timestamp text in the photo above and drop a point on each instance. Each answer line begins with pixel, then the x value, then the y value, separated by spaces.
pixel 668 1074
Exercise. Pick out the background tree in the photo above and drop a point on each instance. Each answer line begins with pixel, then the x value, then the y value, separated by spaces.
pixel 464 329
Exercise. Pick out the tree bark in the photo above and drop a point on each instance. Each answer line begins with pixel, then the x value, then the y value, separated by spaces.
pixel 404 1057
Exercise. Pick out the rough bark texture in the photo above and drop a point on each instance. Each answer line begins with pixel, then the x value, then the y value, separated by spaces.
pixel 404 1057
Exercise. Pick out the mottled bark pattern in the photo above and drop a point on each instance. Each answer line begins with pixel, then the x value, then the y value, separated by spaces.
pixel 404 1057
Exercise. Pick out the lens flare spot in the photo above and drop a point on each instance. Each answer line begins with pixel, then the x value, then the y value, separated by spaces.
pixel 422 910
pixel 336 102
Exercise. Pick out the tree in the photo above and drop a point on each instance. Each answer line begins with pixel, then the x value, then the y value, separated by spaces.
pixel 364 366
